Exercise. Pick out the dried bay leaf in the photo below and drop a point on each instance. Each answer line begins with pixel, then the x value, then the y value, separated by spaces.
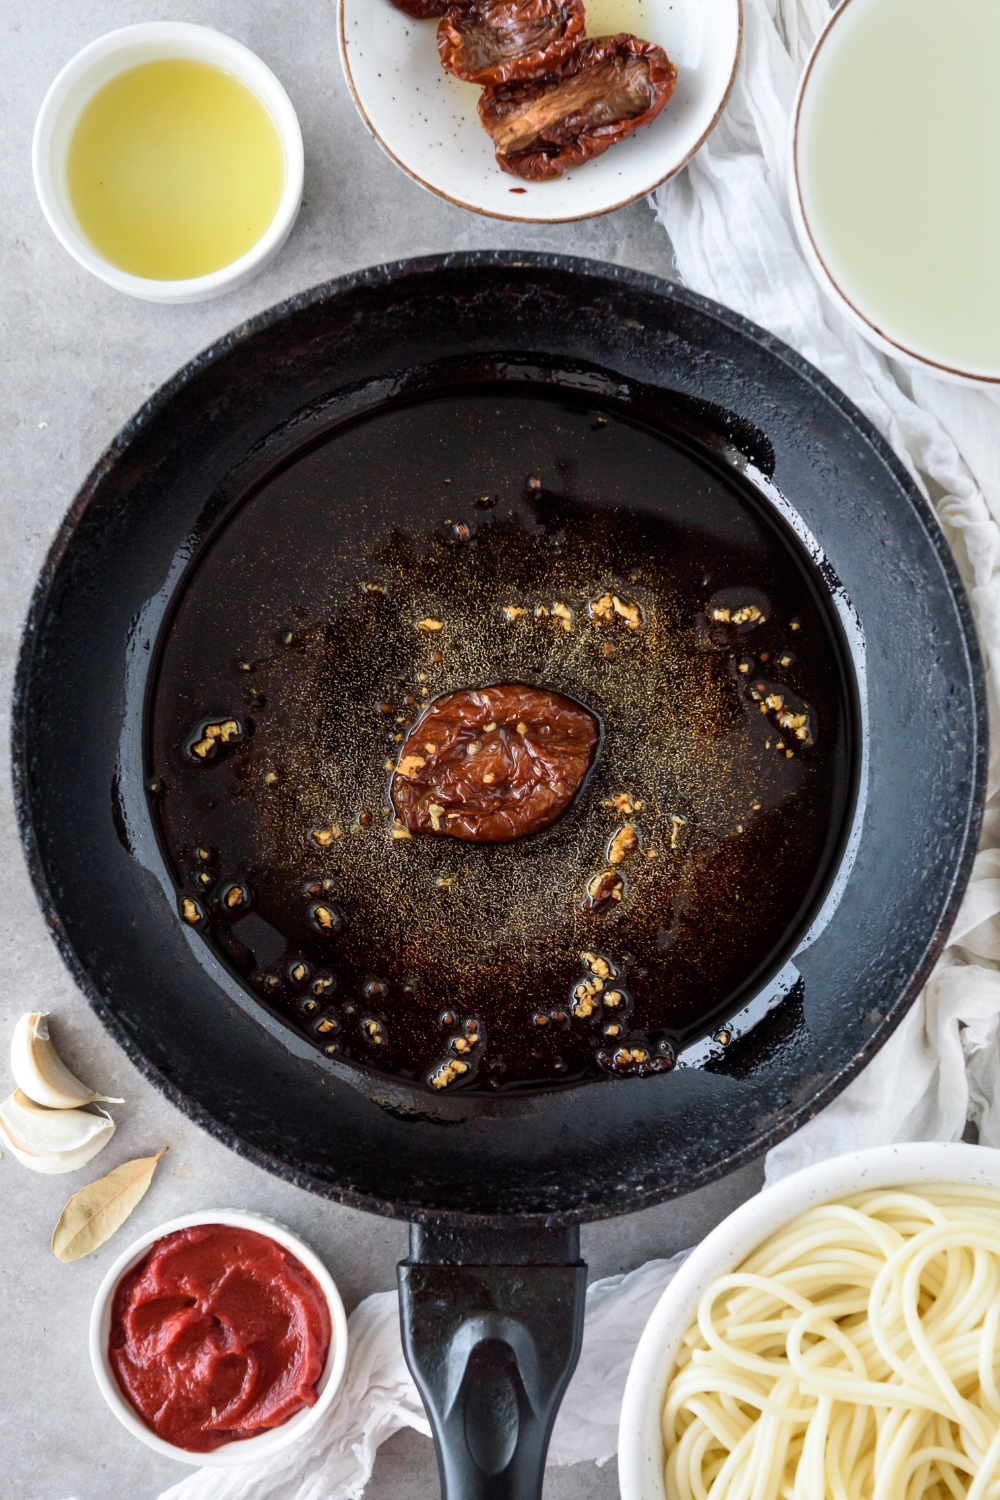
pixel 94 1213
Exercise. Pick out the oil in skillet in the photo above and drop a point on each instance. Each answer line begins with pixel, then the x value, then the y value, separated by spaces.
pixel 175 169
pixel 327 641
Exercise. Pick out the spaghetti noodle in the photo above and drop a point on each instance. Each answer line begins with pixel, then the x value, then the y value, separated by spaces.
pixel 853 1356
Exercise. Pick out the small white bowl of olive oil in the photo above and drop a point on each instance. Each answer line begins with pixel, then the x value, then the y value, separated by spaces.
pixel 168 161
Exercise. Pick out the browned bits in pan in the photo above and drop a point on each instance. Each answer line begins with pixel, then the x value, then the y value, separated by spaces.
pixel 601 93
pixel 586 998
pixel 610 607
pixel 503 41
pixel 373 1031
pixel 465 1045
pixel 634 1057
pixel 748 614
pixel 191 911
pixel 446 1073
pixel 327 918
pixel 603 890
pixel 598 965
pixel 324 837
pixel 236 897
pixel 210 736
pixel 621 846
pixel 732 613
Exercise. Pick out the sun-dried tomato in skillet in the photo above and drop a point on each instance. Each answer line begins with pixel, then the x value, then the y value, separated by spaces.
pixel 422 10
pixel 507 41
pixel 493 764
pixel 598 95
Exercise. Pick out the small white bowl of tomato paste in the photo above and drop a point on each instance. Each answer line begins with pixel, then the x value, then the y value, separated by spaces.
pixel 218 1338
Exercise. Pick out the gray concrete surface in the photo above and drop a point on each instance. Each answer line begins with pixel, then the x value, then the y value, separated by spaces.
pixel 77 359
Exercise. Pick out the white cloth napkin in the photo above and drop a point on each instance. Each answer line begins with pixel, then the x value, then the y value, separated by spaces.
pixel 728 222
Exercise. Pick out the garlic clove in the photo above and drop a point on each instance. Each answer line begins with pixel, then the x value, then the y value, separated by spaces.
pixel 41 1073
pixel 52 1140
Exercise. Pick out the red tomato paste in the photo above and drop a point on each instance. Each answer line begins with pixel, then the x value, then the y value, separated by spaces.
pixel 218 1334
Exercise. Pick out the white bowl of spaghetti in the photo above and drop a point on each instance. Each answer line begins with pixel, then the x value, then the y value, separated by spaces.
pixel 836 1338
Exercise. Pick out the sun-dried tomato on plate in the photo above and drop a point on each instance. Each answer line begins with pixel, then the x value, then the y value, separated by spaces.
pixel 507 41
pixel 422 10
pixel 601 93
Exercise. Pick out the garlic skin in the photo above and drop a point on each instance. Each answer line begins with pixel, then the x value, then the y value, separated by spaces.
pixel 52 1140
pixel 40 1072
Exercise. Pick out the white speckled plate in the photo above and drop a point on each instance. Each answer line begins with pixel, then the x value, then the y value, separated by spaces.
pixel 426 120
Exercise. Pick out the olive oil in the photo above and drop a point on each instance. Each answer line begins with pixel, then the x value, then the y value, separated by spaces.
pixel 605 17
pixel 175 169
pixel 345 923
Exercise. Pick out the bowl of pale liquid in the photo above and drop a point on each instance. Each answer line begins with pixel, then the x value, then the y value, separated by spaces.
pixel 168 160
pixel 896 137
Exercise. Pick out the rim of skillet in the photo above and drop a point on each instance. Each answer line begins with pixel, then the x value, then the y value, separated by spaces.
pixel 386 273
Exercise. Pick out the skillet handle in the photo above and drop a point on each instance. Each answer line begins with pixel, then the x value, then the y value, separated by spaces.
pixel 492 1323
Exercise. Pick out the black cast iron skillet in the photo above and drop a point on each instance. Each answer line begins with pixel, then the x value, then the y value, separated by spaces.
pixel 495 1186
